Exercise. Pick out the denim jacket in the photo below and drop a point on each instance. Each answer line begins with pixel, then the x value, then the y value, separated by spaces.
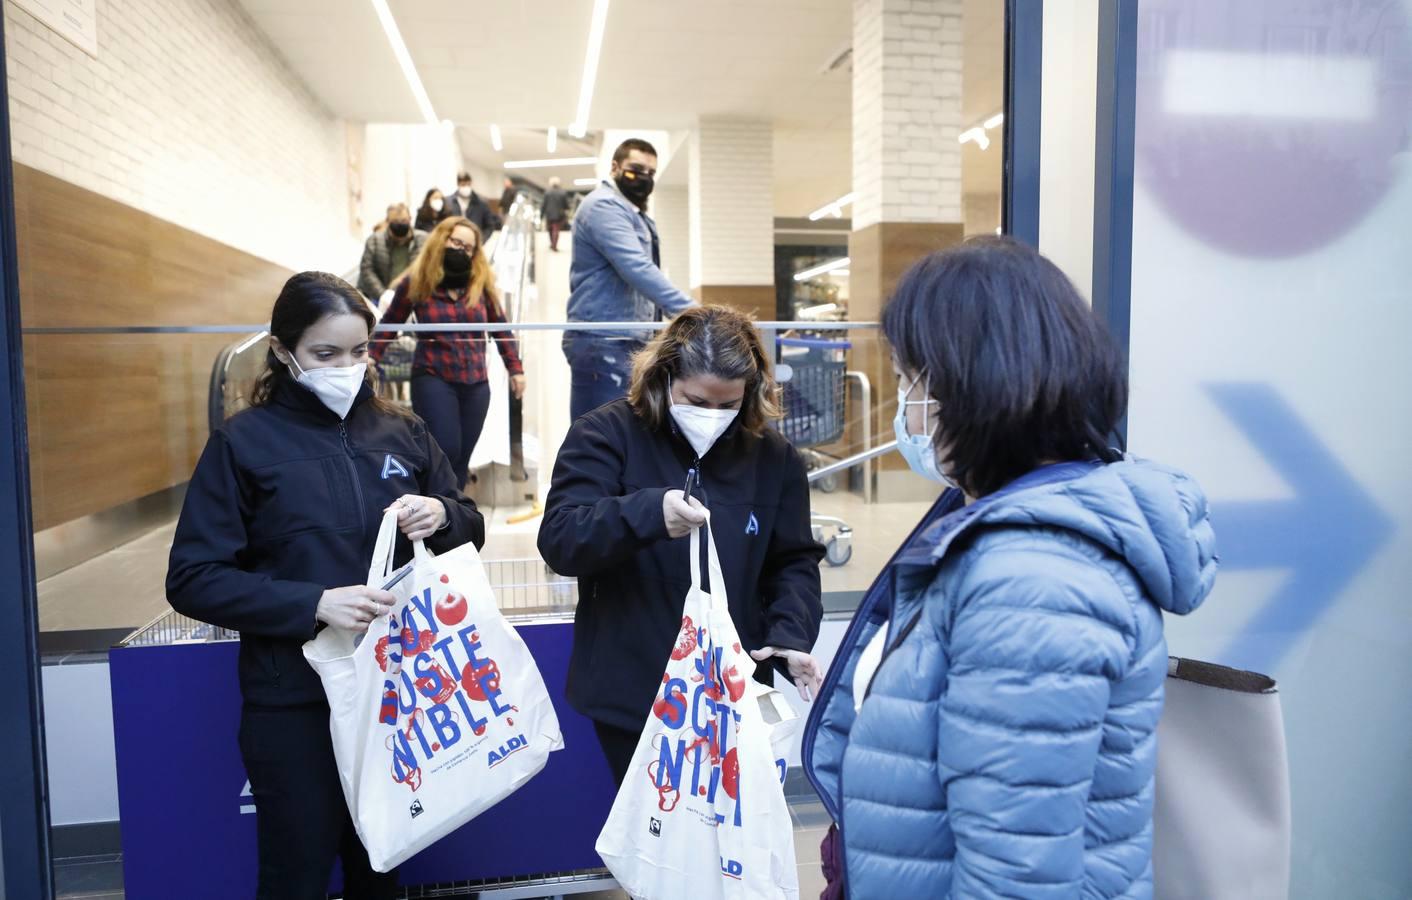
pixel 614 276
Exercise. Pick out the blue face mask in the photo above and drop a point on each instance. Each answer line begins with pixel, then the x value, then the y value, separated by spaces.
pixel 917 449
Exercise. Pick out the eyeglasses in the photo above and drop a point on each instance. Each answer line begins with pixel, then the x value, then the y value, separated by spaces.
pixel 639 169
pixel 460 245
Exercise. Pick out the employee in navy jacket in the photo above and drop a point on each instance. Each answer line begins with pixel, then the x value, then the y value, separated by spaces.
pixel 274 541
pixel 701 398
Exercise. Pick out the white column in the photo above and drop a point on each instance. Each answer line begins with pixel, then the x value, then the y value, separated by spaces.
pixel 907 111
pixel 732 207
pixel 670 210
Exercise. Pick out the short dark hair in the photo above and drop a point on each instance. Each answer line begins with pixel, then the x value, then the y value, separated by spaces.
pixel 1024 372
pixel 463 177
pixel 629 146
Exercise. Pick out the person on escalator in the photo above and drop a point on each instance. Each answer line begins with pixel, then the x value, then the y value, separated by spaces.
pixel 432 210
pixel 274 540
pixel 697 413
pixel 615 276
pixel 451 282
pixel 387 253
pixel 467 204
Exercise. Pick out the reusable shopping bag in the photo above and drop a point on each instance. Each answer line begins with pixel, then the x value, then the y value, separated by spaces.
pixel 702 812
pixel 438 711
pixel 1221 826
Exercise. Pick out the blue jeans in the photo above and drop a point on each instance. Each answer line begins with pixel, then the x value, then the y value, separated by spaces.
pixel 601 370
pixel 455 415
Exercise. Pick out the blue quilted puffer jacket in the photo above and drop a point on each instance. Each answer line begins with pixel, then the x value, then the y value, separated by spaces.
pixel 1007 741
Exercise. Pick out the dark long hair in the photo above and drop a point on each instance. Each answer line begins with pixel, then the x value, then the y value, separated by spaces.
pixel 305 299
pixel 1024 372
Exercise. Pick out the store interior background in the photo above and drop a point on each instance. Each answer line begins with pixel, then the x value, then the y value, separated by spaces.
pixel 205 151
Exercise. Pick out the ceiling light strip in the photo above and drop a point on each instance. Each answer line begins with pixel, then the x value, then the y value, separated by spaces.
pixel 551 163
pixel 496 140
pixel 404 59
pixel 834 209
pixel 832 265
pixel 590 67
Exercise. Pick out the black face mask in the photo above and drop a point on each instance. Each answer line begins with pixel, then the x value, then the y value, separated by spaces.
pixel 635 187
pixel 399 229
pixel 456 268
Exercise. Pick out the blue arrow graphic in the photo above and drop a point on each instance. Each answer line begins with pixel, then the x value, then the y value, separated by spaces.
pixel 1324 535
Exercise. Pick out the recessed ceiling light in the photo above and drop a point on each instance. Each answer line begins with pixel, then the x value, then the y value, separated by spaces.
pixel 551 144
pixel 495 139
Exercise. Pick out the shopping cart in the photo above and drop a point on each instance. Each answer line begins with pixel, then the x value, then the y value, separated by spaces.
pixel 811 372
pixel 396 367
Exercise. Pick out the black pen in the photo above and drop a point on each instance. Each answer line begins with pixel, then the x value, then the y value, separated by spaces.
pixel 398 576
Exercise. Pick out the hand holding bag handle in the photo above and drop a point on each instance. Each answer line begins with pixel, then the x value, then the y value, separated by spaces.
pixel 385 549
pixel 713 562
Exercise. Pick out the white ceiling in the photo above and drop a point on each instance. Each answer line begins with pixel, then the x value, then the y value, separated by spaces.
pixel 518 63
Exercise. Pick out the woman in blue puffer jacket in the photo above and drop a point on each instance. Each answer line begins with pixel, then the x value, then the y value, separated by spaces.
pixel 988 727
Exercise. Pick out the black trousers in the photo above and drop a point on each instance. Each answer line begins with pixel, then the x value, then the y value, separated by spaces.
pixel 618 747
pixel 455 414
pixel 302 818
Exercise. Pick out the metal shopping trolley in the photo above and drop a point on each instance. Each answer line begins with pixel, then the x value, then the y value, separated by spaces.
pixel 811 371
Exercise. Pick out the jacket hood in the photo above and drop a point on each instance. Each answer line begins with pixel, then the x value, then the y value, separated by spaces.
pixel 1153 517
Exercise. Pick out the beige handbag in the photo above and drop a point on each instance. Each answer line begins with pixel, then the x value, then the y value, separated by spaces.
pixel 1221 827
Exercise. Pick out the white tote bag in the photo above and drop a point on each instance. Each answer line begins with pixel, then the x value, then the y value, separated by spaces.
pixel 1221 824
pixel 702 812
pixel 438 712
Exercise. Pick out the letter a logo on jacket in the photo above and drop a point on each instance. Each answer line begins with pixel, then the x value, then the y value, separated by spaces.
pixel 390 467
pixel 753 526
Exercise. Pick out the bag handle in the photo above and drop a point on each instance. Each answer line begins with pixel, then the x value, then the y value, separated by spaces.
pixel 386 548
pixel 713 561
pixel 381 565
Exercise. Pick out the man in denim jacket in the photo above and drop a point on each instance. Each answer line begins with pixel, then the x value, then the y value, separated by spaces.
pixel 615 277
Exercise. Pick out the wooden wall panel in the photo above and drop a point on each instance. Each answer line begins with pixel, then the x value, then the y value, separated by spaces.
pixel 756 300
pixel 116 417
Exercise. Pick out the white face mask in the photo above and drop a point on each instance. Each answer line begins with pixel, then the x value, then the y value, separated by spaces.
pixel 464 192
pixel 701 427
pixel 436 204
pixel 336 386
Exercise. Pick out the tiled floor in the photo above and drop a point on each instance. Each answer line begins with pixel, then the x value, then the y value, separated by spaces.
pixel 101 878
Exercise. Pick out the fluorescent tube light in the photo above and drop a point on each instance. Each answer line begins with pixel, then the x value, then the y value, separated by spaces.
pixel 551 163
pixel 994 120
pixel 585 182
pixel 834 209
pixel 551 144
pixel 977 135
pixel 404 59
pixel 590 67
pixel 496 140
pixel 832 265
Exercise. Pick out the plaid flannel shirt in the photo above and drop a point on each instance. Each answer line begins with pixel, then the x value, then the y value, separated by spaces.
pixel 450 356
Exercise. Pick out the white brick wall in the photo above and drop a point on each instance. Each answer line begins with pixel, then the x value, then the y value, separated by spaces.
pixel 732 204
pixel 671 210
pixel 906 111
pixel 190 115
